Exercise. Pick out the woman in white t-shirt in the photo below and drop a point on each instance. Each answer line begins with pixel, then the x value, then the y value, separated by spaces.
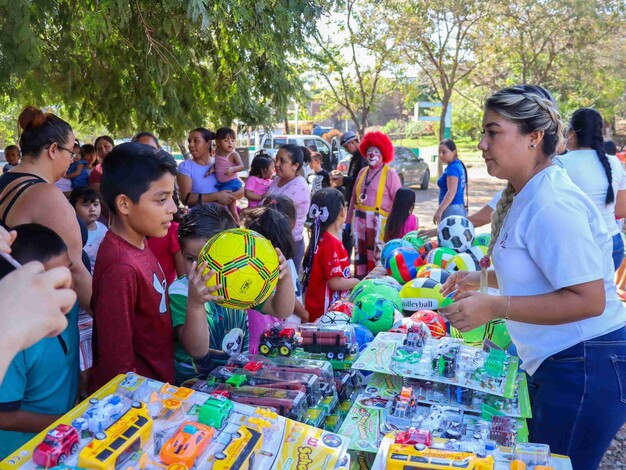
pixel 600 176
pixel 553 266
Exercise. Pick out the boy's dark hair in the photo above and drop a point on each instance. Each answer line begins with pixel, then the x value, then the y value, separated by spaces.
pixel 609 147
pixel 83 194
pixel 325 207
pixel 11 147
pixel 403 201
pixel 88 148
pixel 273 225
pixel 260 163
pixel 36 242
pixel 204 222
pixel 40 129
pixel 284 205
pixel 130 169
pixel 224 132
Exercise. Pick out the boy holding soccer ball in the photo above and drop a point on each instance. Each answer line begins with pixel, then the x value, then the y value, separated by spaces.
pixel 206 333
pixel 132 324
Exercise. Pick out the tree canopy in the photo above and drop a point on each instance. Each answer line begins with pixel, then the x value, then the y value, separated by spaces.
pixel 166 66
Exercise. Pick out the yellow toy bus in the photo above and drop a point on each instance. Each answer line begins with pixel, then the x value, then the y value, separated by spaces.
pixel 240 451
pixel 119 441
pixel 420 457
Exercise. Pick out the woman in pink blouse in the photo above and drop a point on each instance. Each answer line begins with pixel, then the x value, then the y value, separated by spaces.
pixel 289 160
pixel 371 201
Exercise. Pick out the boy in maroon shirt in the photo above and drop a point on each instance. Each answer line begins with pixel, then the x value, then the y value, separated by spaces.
pixel 132 324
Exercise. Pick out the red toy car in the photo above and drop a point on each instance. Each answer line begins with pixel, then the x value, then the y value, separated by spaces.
pixel 414 436
pixel 58 444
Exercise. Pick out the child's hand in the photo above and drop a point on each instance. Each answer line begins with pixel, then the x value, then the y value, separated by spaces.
pixel 198 291
pixel 283 264
pixel 229 171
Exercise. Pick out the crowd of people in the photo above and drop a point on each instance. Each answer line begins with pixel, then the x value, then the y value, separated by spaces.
pixel 109 239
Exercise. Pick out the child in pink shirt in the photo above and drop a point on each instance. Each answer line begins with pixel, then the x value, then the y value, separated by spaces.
pixel 259 179
pixel 401 219
pixel 227 164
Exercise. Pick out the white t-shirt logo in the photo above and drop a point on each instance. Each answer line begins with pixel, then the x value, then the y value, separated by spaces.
pixel 504 238
pixel 160 288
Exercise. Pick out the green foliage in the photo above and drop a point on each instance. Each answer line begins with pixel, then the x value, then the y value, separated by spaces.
pixel 351 56
pixel 166 66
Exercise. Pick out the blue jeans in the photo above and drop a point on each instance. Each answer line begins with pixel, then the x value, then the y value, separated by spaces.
pixel 299 255
pixel 454 209
pixel 578 399
pixel 231 185
pixel 618 250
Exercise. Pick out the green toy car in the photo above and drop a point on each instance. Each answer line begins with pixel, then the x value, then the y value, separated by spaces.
pixel 215 411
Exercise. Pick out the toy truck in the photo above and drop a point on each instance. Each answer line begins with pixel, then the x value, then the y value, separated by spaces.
pixel 278 339
pixel 404 404
pixel 335 342
pixel 309 384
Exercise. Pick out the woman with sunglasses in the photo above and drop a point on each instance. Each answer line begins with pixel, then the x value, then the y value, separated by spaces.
pixel 28 193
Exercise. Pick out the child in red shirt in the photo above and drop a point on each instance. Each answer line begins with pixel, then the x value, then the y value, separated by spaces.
pixel 132 323
pixel 326 264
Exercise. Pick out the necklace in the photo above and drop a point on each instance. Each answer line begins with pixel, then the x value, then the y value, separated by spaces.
pixel 363 195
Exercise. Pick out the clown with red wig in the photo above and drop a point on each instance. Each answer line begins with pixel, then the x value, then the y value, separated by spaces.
pixel 371 201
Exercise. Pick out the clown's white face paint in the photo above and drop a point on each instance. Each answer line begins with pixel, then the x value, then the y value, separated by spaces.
pixel 373 156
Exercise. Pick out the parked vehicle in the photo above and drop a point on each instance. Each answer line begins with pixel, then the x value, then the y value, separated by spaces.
pixel 412 169
pixel 331 153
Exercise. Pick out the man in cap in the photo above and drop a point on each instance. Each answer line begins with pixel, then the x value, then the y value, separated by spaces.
pixel 350 142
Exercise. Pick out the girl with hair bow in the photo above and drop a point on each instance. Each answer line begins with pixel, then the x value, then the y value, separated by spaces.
pixel 327 275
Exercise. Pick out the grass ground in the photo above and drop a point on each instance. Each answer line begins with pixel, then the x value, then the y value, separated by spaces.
pixel 466 146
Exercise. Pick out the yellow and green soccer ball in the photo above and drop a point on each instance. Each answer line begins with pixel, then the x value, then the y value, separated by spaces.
pixel 246 265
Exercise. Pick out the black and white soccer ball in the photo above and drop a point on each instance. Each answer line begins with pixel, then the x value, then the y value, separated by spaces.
pixel 456 232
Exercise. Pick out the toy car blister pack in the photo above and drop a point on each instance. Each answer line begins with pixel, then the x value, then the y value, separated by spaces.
pixel 258 376
pixel 335 343
pixel 446 360
pixel 468 400
pixel 451 455
pixel 208 431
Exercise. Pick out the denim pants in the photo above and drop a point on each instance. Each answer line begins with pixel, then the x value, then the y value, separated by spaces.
pixel 618 250
pixel 454 209
pixel 578 399
pixel 299 255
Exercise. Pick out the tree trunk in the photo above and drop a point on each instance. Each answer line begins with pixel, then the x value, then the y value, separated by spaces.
pixel 286 125
pixel 183 150
pixel 442 128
